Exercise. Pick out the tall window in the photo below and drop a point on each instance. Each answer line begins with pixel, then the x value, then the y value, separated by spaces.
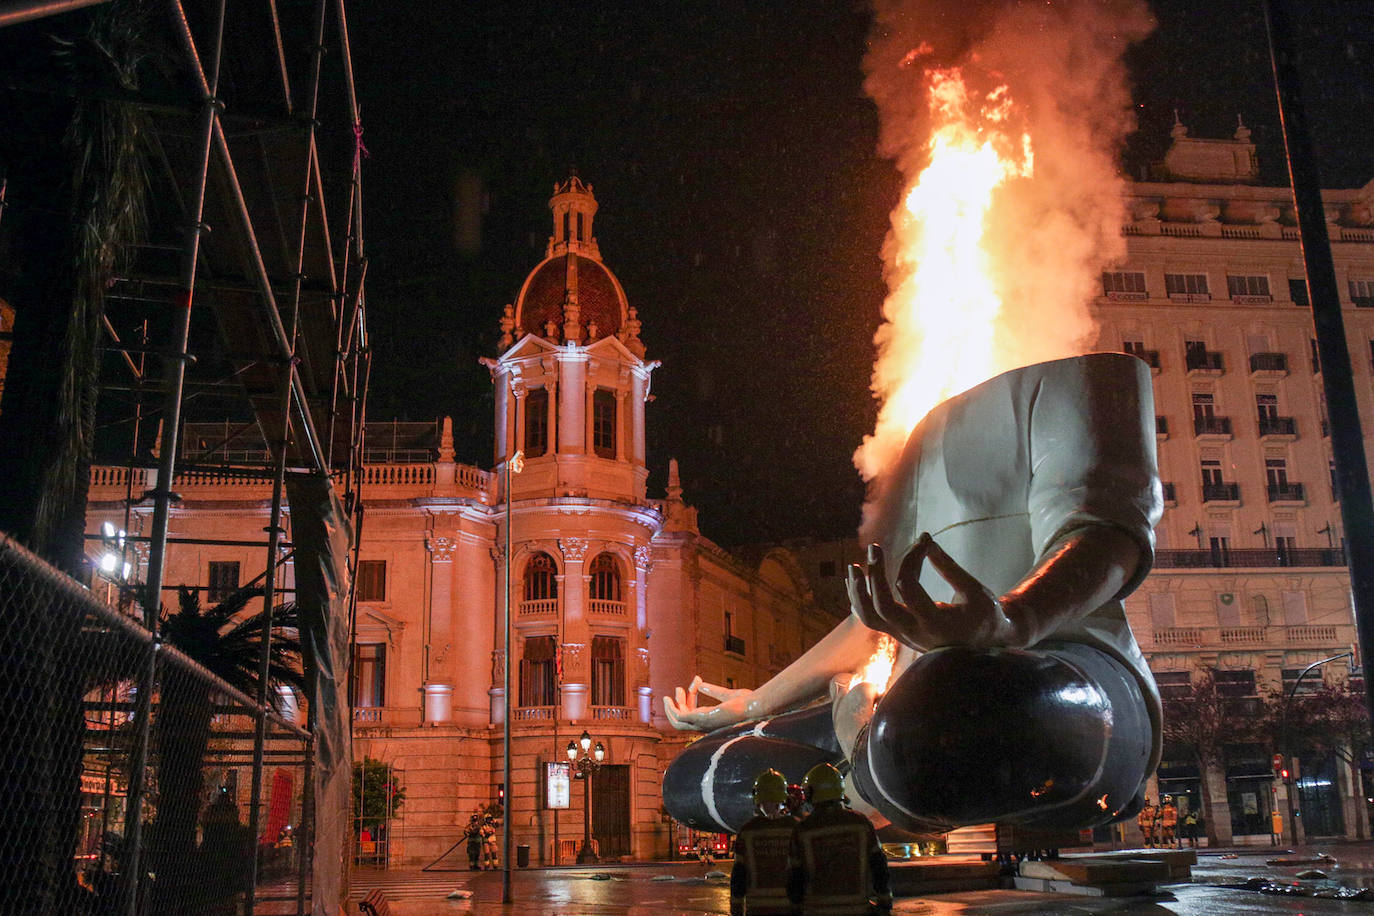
pixel 536 422
pixel 1187 285
pixel 541 578
pixel 1247 286
pixel 567 219
pixel 1297 291
pixel 579 227
pixel 603 423
pixel 608 671
pixel 369 674
pixel 1125 284
pixel 1268 407
pixel 1276 473
pixel 1219 543
pixel 1362 293
pixel 537 671
pixel 371 584
pixel 605 584
pixel 1204 407
pixel 223 580
pixel 1285 538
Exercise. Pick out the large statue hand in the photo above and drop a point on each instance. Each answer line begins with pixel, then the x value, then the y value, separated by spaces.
pixel 685 714
pixel 975 618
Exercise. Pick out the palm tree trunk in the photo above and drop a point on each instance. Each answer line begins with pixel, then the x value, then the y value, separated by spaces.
pixel 183 734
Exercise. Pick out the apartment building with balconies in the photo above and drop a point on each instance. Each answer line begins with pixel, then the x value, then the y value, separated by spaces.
pixel 1249 577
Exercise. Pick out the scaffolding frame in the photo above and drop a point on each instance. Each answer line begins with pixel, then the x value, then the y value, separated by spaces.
pixel 247 175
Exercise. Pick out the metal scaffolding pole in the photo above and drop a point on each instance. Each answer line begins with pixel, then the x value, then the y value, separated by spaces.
pixel 1347 439
pixel 162 495
pixel 279 465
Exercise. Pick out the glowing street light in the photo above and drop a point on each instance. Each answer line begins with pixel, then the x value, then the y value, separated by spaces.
pixel 587 763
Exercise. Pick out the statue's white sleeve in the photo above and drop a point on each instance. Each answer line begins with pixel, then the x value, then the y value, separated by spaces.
pixel 1092 454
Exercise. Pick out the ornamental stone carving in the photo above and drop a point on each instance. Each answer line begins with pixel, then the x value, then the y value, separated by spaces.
pixel 441 549
pixel 498 666
pixel 575 662
pixel 644 557
pixel 573 548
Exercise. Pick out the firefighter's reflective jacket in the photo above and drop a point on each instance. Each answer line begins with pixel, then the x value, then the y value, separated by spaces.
pixel 758 881
pixel 837 865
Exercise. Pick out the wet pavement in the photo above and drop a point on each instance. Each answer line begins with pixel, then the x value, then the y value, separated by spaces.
pixel 641 890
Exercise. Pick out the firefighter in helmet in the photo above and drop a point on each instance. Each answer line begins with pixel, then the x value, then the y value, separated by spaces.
pixel 838 866
pixel 758 882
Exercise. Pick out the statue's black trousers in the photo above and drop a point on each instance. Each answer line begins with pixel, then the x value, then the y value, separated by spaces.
pixel 1057 737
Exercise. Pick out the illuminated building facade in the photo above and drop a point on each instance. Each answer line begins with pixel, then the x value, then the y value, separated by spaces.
pixel 1249 577
pixel 616 597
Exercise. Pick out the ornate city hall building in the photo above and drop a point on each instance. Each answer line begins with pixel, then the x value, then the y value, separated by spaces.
pixel 616 598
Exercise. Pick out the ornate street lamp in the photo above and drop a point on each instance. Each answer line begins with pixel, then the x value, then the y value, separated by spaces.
pixel 586 764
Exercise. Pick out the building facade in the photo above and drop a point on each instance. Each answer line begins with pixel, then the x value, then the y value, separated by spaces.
pixel 1249 575
pixel 615 598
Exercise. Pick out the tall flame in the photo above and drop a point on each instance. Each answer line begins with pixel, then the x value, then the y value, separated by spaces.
pixel 1006 118
pixel 941 317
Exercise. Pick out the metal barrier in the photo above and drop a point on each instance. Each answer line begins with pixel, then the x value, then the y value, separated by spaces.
pixel 128 765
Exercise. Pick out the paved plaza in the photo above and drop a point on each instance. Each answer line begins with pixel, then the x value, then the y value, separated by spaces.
pixel 683 888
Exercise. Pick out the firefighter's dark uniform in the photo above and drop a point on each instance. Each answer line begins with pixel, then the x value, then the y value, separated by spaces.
pixel 837 865
pixel 758 882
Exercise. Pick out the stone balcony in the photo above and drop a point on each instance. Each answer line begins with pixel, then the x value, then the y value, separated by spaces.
pixel 380 481
pixel 1164 638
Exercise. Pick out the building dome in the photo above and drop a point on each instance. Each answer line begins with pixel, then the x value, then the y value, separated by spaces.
pixel 556 282
pixel 571 297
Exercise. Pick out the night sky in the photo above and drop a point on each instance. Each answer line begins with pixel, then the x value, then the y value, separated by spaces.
pixel 743 206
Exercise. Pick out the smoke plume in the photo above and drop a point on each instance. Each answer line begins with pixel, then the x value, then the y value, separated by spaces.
pixel 1049 231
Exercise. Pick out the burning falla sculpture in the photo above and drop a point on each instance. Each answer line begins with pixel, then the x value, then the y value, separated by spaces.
pixel 1021 513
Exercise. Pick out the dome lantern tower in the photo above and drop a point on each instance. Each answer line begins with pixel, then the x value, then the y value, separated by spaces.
pixel 571 380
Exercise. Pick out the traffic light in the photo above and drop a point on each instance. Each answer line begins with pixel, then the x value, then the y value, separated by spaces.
pixel 1284 774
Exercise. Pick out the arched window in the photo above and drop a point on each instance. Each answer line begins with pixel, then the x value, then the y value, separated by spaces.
pixel 536 422
pixel 608 671
pixel 541 582
pixel 605 585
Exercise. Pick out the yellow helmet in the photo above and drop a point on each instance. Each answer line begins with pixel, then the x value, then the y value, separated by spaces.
pixel 823 784
pixel 770 786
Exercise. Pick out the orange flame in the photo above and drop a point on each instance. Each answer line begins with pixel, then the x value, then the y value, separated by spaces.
pixel 939 335
pixel 878 670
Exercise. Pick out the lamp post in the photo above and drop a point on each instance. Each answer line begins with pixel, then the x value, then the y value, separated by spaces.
pixel 1283 734
pixel 514 465
pixel 586 764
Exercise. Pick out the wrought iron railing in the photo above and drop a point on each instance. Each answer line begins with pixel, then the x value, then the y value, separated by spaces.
pixel 1212 426
pixel 1220 492
pixel 1278 426
pixel 1285 492
pixel 1248 558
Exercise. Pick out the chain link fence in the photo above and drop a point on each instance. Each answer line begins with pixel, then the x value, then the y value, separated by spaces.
pixel 127 768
